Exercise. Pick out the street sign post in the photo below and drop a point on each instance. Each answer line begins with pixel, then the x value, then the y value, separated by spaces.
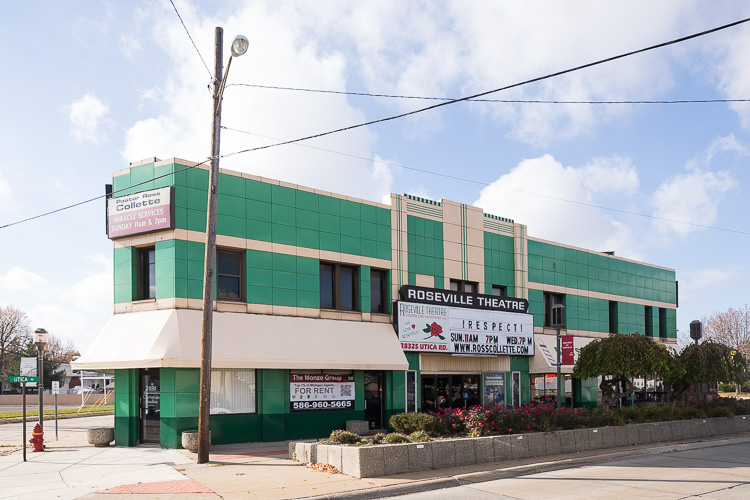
pixel 55 391
pixel 23 380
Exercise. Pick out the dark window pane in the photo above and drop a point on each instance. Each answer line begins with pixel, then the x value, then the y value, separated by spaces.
pixel 228 287
pixel 326 286
pixel 146 262
pixel 499 291
pixel 377 291
pixel 347 288
pixel 470 287
pixel 228 275
pixel 455 285
pixel 228 263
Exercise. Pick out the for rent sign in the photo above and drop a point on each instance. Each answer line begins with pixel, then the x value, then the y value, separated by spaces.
pixel 139 213
pixel 458 330
pixel 320 391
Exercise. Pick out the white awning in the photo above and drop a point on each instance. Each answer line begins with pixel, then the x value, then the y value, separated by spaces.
pixel 544 359
pixel 172 338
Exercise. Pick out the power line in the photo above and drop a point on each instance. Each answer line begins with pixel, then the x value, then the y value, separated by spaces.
pixel 409 113
pixel 507 101
pixel 486 184
pixel 101 196
pixel 481 94
pixel 191 40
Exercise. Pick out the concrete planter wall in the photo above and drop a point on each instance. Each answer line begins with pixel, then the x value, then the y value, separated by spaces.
pixel 387 459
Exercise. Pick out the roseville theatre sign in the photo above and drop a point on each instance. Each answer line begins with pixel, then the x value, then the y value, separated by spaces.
pixel 450 322
pixel 140 213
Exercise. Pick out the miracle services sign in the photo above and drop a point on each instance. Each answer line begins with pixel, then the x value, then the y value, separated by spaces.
pixel 140 213
pixel 492 328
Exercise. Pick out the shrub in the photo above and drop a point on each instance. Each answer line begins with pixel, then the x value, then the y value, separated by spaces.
pixel 396 438
pixel 600 418
pixel 419 437
pixel 379 438
pixel 406 423
pixel 689 412
pixel 720 411
pixel 344 437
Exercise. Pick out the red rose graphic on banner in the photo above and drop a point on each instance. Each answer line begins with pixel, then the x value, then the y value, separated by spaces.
pixel 434 330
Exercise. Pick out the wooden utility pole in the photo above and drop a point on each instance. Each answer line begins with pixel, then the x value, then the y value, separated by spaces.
pixel 208 274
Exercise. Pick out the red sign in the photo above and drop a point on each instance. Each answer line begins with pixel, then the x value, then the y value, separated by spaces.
pixel 567 351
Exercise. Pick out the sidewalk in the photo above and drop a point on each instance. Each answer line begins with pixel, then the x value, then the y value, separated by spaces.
pixel 71 468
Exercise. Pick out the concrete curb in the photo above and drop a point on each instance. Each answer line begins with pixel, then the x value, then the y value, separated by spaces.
pixel 518 470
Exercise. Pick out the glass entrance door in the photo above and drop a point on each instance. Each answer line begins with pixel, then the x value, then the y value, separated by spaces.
pixel 150 400
pixel 374 399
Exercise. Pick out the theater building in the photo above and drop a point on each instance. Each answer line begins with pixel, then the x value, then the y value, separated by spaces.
pixel 330 308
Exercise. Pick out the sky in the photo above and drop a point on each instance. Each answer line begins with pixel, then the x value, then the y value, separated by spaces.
pixel 92 86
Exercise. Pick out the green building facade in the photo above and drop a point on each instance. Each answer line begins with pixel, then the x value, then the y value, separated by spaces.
pixel 305 288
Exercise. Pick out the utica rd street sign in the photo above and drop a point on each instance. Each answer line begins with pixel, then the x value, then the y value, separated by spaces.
pixel 21 380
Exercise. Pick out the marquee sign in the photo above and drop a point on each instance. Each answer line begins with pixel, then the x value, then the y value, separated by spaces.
pixel 452 298
pixel 464 331
pixel 140 213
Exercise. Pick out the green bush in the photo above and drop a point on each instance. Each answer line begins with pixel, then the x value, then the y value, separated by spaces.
pixel 419 437
pixel 396 438
pixel 344 437
pixel 720 411
pixel 406 423
pixel 600 418
pixel 688 412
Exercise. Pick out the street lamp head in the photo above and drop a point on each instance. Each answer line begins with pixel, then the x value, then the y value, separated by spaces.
pixel 239 45
pixel 41 337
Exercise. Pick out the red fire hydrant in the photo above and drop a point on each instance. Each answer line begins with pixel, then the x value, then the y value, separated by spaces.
pixel 37 438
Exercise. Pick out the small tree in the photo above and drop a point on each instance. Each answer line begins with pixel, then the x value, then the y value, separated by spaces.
pixel 731 328
pixel 51 369
pixel 707 362
pixel 617 359
pixel 14 333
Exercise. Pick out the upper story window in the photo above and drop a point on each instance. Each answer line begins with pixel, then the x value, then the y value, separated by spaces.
pixel 338 287
pixel 551 299
pixel 499 291
pixel 146 269
pixel 229 275
pixel 463 286
pixel 378 291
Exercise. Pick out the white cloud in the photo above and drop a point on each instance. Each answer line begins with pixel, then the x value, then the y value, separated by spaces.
pixel 532 193
pixel 75 311
pixel 88 115
pixel 694 196
pixel 5 194
pixel 182 128
pixel 129 46
pixel 706 280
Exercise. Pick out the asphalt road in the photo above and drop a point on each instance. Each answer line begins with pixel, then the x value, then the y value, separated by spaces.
pixel 717 472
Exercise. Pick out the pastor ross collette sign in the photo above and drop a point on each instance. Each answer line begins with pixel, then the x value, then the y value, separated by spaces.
pixel 465 324
pixel 140 213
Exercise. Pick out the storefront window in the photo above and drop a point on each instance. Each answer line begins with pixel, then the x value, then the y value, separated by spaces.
pixel 232 391
pixel 411 391
pixel 544 387
pixel 440 392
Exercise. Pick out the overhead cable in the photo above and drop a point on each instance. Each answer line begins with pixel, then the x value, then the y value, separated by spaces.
pixel 506 101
